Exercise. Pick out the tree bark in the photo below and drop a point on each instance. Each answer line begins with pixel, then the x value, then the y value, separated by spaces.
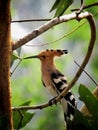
pixel 5 55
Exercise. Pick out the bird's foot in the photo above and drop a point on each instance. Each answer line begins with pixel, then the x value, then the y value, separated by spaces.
pixel 53 101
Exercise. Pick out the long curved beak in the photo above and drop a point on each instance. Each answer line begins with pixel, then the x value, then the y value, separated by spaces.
pixel 30 57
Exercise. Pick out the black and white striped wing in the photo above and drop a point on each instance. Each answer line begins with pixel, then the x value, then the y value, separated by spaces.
pixel 68 102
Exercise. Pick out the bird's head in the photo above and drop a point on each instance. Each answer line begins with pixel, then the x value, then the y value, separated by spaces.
pixel 46 55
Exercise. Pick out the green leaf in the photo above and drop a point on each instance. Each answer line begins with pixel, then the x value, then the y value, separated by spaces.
pixel 89 99
pixel 55 5
pixel 21 117
pixel 81 121
pixel 26 103
pixel 92 104
pixel 20 120
pixel 61 6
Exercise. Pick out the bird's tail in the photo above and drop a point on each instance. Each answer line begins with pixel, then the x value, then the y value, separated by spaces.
pixel 68 104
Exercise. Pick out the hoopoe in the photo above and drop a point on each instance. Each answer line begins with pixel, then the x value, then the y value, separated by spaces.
pixel 55 81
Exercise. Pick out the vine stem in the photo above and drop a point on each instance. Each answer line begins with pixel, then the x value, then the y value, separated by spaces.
pixel 20 60
pixel 93 80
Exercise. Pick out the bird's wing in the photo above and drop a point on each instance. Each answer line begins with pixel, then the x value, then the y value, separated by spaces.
pixel 68 102
pixel 59 80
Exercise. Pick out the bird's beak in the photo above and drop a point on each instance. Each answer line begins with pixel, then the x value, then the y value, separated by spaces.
pixel 30 57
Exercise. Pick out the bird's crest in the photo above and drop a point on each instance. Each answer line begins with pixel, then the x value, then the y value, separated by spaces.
pixel 53 53
pixel 48 53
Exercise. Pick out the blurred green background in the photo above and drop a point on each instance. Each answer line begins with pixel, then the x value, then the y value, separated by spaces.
pixel 26 80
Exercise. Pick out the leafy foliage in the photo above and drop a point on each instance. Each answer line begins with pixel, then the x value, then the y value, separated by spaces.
pixel 61 6
pixel 81 121
pixel 22 117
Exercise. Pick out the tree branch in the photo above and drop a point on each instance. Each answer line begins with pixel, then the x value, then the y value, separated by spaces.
pixel 35 33
pixel 41 106
pixel 29 20
pixel 91 22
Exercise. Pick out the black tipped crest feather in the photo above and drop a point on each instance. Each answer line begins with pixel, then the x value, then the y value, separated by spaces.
pixel 48 53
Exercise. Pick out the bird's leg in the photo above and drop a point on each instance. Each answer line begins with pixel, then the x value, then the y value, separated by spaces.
pixel 53 100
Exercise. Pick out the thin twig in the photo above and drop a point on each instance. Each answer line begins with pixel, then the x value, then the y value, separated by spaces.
pixel 87 74
pixel 87 6
pixel 66 35
pixel 29 20
pixel 91 5
pixel 41 106
pixel 20 60
pixel 45 19
pixel 81 7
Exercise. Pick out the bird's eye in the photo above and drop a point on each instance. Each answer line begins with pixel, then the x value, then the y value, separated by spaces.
pixel 43 57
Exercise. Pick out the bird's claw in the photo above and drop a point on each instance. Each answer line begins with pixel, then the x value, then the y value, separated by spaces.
pixel 53 100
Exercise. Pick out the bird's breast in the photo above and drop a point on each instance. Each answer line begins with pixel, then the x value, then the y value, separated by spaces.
pixel 49 85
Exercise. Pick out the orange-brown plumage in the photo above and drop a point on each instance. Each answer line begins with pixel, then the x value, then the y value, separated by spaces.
pixel 55 81
pixel 47 64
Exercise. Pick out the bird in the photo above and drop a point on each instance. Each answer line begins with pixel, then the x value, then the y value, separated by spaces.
pixel 55 81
